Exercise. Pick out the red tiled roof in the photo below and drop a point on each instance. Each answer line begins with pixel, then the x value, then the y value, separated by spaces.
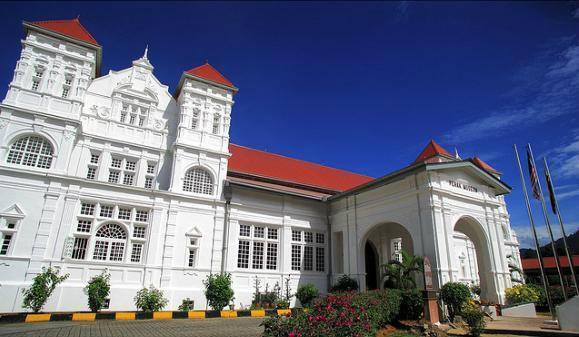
pixel 480 163
pixel 71 28
pixel 432 149
pixel 548 262
pixel 209 73
pixel 258 163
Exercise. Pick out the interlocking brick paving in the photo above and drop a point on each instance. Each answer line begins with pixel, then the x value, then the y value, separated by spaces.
pixel 241 327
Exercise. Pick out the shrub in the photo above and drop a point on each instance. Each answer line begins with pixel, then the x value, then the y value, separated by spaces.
pixel 151 299
pixel 412 304
pixel 218 290
pixel 474 318
pixel 343 314
pixel 98 289
pixel 475 289
pixel 455 295
pixel 345 283
pixel 306 294
pixel 522 293
pixel 186 305
pixel 42 287
pixel 282 304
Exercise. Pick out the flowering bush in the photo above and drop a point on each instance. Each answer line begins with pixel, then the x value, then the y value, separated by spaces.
pixel 344 314
pixel 522 293
pixel 474 318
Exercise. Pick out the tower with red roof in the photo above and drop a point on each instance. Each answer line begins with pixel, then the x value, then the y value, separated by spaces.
pixel 59 59
pixel 205 99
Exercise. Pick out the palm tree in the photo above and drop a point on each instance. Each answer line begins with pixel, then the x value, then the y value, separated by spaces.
pixel 401 273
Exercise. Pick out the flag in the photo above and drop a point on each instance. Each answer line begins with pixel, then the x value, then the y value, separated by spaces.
pixel 551 191
pixel 533 174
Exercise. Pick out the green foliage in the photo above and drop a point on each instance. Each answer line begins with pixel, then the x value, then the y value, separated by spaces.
pixel 474 318
pixel 342 314
pixel 401 274
pixel 475 289
pixel 98 289
pixel 412 305
pixel 522 293
pixel 42 287
pixel 186 305
pixel 282 304
pixel 455 295
pixel 306 294
pixel 345 283
pixel 151 299
pixel 218 290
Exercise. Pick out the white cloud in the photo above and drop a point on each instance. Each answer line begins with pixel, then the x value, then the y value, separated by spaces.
pixel 566 157
pixel 546 89
pixel 525 234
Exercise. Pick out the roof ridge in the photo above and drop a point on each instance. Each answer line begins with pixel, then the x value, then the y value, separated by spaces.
pixel 301 160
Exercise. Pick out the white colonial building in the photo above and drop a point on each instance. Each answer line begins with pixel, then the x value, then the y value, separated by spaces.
pixel 113 172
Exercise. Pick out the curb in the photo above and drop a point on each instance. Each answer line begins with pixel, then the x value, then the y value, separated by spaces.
pixel 139 315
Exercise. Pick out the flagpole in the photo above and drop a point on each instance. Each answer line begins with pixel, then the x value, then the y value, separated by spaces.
pixel 558 212
pixel 537 245
pixel 548 224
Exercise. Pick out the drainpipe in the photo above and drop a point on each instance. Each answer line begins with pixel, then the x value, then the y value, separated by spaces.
pixel 228 194
pixel 330 244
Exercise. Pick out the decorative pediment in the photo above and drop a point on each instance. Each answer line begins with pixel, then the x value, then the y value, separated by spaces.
pixel 194 232
pixel 14 211
pixel 474 173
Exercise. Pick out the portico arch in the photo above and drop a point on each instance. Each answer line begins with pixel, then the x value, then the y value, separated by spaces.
pixel 380 244
pixel 475 231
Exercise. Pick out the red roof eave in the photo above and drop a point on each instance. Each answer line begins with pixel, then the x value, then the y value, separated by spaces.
pixel 548 262
pixel 285 170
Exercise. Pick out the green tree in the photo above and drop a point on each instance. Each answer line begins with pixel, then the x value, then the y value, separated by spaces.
pixel 42 287
pixel 218 290
pixel 98 290
pixel 401 273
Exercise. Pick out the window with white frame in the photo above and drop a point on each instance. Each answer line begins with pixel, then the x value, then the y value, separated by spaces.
pixel 102 233
pixel 150 174
pixel 192 250
pixel 195 119
pixel 8 228
pixel 257 247
pixel 308 251
pixel 32 151
pixel 93 165
pixel 133 113
pixel 216 124
pixel 198 180
pixel 122 170
pixel 36 78
pixel 396 249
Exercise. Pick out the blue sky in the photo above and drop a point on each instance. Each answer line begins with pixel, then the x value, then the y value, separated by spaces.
pixel 364 86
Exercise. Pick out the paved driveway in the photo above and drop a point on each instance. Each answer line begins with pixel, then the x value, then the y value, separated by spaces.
pixel 241 327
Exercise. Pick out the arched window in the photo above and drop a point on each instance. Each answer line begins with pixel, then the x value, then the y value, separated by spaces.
pixel 31 151
pixel 198 180
pixel 110 242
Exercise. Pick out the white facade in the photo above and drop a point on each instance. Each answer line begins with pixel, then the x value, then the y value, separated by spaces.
pixel 115 173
